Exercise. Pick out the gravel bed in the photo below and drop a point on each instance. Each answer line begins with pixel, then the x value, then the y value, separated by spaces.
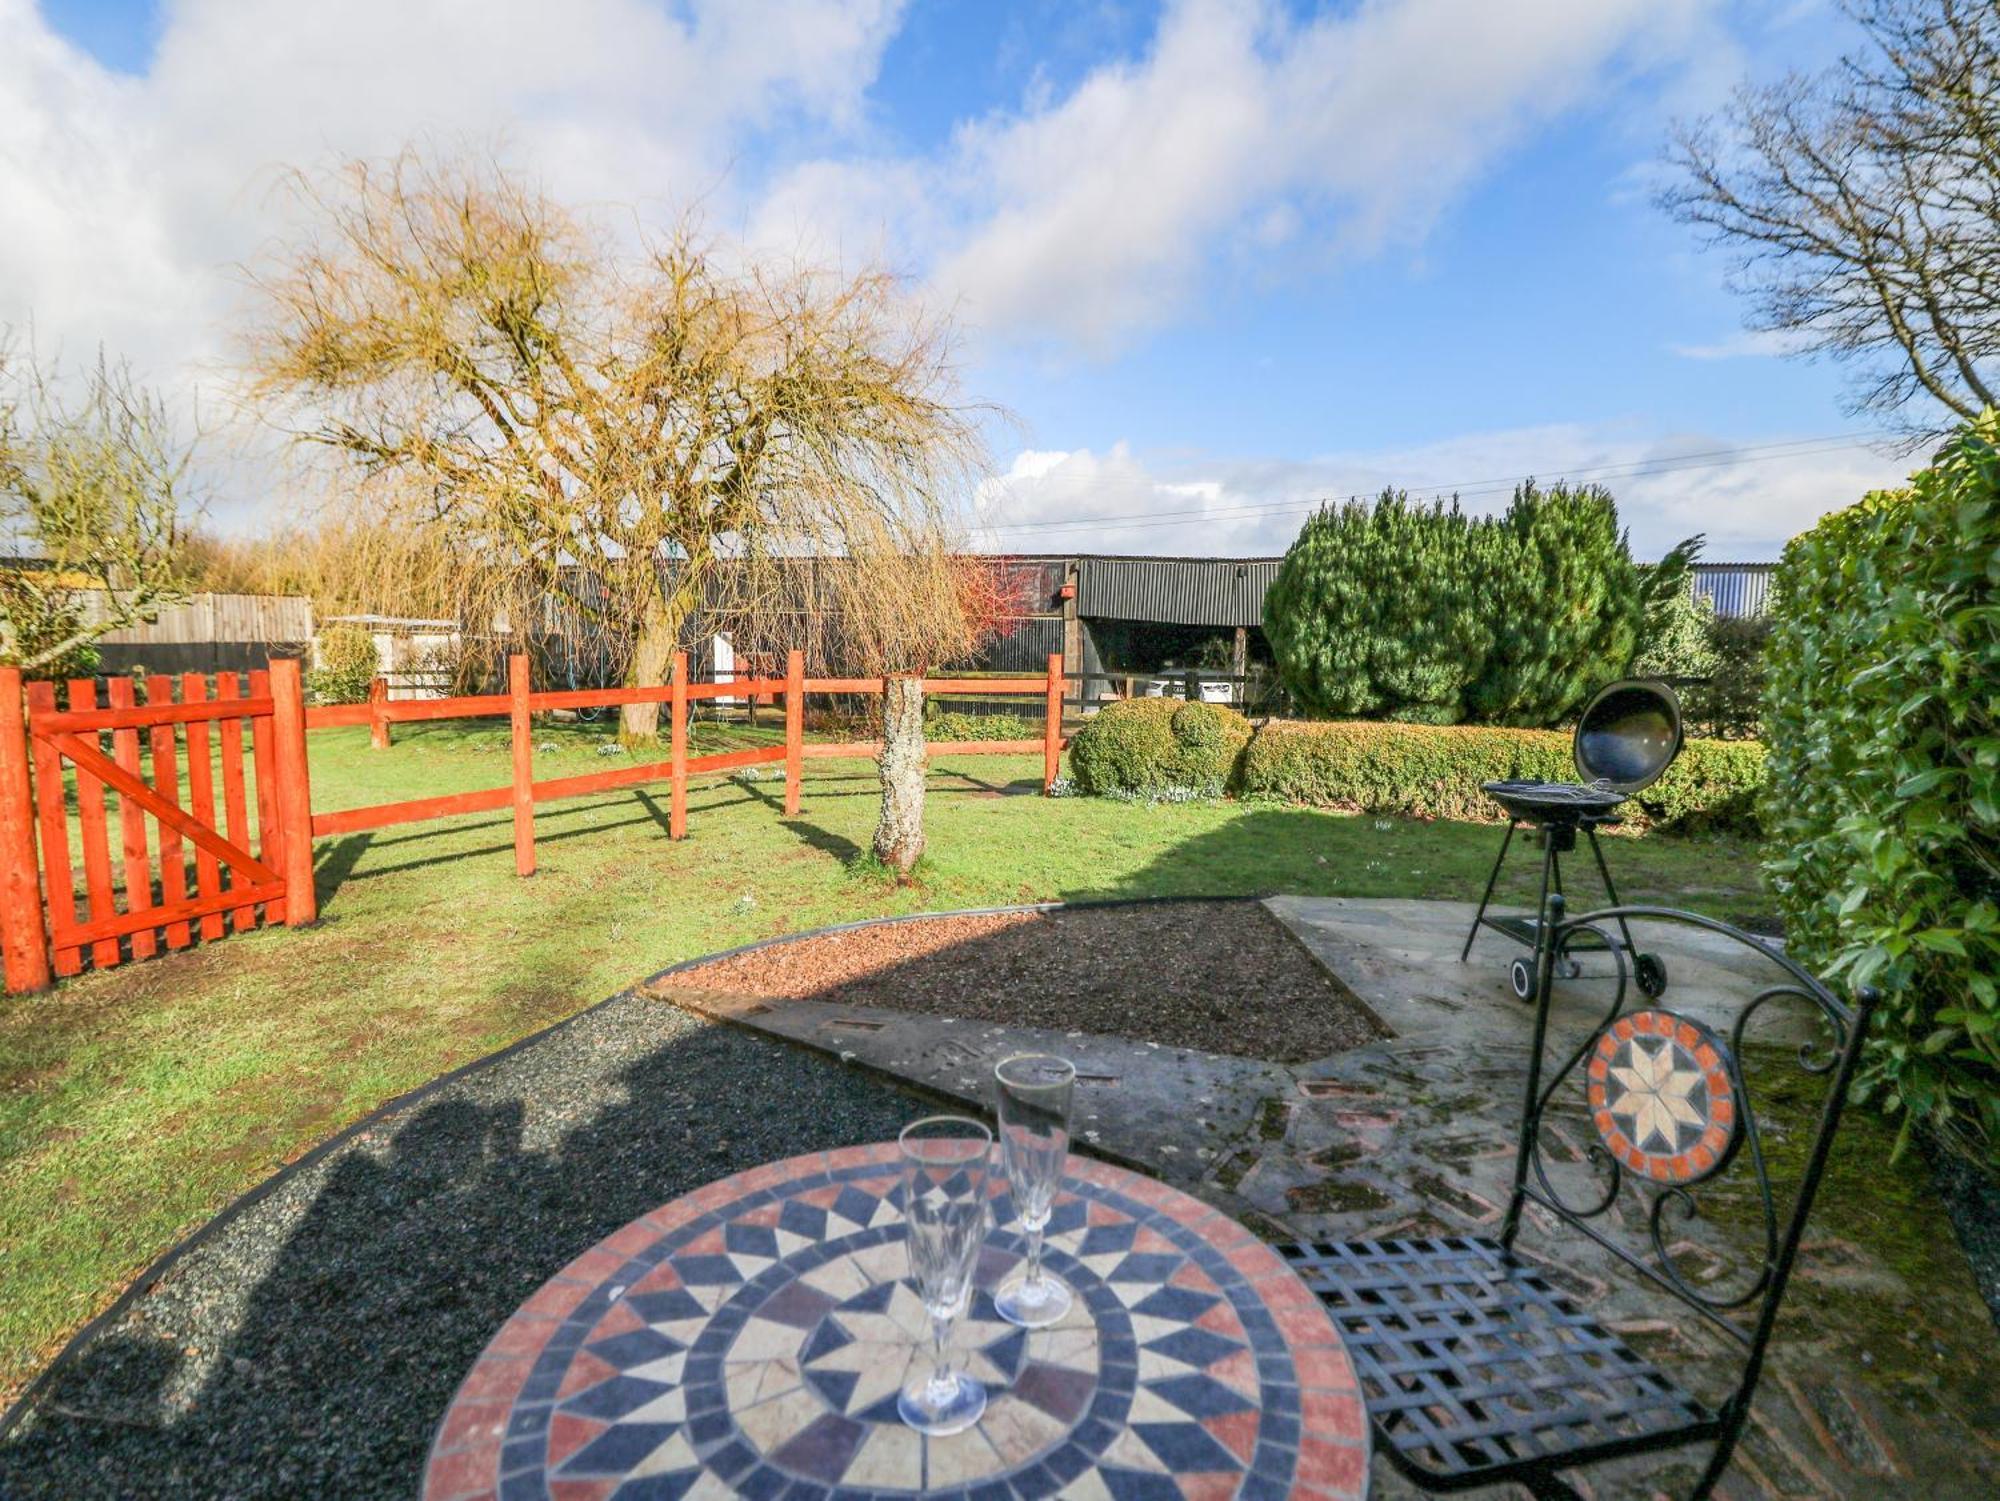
pixel 309 1347
pixel 1221 976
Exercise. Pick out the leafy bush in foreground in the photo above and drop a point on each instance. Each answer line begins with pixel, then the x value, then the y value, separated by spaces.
pixel 1148 744
pixel 1432 771
pixel 1884 808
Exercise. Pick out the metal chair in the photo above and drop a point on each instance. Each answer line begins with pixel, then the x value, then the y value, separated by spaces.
pixel 1475 1366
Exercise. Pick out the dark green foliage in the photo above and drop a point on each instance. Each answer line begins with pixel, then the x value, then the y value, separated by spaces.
pixel 1426 771
pixel 1374 611
pixel 1151 744
pixel 1565 602
pixel 1884 807
pixel 1420 613
pixel 1730 704
pixel 347 665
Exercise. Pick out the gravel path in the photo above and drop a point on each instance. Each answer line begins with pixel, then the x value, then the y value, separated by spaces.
pixel 309 1346
pixel 1221 976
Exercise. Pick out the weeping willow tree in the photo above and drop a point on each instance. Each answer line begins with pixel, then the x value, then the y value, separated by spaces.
pixel 673 422
pixel 680 426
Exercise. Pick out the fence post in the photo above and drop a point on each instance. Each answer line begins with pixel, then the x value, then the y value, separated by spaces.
pixel 1052 724
pixel 795 729
pixel 523 737
pixel 24 940
pixel 378 719
pixel 288 735
pixel 677 735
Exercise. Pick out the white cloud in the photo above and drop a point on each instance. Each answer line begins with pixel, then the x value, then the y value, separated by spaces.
pixel 1749 345
pixel 1243 130
pixel 1747 498
pixel 128 200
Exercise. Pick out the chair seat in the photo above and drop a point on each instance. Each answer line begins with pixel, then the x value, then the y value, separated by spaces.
pixel 1475 1369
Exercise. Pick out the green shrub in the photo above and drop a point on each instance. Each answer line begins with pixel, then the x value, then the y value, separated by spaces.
pixel 956 726
pixel 1564 604
pixel 1680 641
pixel 346 666
pixel 1421 614
pixel 1730 705
pixel 1374 611
pixel 1435 771
pixel 1151 744
pixel 1884 808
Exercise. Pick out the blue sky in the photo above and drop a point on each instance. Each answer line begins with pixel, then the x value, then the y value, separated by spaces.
pixel 1220 258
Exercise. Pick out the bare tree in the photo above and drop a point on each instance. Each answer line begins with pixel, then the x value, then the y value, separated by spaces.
pixel 564 410
pixel 93 484
pixel 1864 207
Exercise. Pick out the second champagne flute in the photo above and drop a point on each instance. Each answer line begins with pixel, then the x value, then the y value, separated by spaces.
pixel 1034 1103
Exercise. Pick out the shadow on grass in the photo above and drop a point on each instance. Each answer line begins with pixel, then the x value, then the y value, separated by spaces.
pixel 309 1348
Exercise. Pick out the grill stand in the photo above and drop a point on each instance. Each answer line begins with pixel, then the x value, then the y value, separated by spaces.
pixel 1558 838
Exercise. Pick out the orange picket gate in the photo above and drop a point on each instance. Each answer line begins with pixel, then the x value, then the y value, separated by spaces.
pixel 190 860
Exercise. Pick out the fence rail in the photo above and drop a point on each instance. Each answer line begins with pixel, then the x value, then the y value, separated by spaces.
pixel 198 876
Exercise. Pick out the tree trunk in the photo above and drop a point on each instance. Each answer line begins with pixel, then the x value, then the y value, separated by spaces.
pixel 639 724
pixel 899 836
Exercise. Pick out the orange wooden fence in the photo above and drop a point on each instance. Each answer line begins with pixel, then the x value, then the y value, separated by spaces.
pixel 167 812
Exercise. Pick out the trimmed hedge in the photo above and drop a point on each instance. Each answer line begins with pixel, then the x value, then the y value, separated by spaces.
pixel 1435 771
pixel 1883 715
pixel 952 725
pixel 1151 744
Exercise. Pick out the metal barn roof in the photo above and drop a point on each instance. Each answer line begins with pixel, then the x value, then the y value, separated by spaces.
pixel 1176 591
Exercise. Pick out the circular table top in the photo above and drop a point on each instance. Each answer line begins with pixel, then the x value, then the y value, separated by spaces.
pixel 750 1338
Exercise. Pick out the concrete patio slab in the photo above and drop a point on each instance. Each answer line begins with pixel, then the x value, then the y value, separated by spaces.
pixel 1880 1381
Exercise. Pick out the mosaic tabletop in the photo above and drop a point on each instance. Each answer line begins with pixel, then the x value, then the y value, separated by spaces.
pixel 750 1340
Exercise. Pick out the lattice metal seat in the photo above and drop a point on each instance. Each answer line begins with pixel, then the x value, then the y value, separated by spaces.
pixel 1471 1362
pixel 1474 1367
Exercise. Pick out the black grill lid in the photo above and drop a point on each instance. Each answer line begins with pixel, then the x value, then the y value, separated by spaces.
pixel 1629 735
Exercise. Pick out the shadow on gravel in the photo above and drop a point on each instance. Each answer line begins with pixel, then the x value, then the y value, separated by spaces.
pixel 309 1347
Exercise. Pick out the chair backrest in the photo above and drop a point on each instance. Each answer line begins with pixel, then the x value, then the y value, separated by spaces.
pixel 1632 1104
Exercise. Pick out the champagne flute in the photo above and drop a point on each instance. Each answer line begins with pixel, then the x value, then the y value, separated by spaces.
pixel 944 1160
pixel 1034 1103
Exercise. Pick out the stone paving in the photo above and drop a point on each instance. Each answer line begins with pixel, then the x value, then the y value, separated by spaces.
pixel 1881 1381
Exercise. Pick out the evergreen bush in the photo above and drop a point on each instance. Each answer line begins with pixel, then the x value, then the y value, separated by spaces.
pixel 1419 613
pixel 1882 713
pixel 1152 744
pixel 1372 611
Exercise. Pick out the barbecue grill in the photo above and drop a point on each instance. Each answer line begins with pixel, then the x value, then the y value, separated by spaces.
pixel 1627 737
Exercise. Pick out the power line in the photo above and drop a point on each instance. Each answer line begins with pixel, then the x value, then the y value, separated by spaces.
pixel 1630 469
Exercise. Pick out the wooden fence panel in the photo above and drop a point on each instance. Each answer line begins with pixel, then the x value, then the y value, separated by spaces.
pixel 24 950
pixel 132 819
pixel 59 874
pixel 201 800
pixel 270 840
pixel 94 836
pixel 167 782
pixel 236 807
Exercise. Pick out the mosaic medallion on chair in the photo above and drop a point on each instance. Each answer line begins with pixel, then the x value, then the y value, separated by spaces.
pixel 759 1352
pixel 1663 1097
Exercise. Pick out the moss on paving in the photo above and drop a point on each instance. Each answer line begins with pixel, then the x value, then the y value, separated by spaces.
pixel 136 1103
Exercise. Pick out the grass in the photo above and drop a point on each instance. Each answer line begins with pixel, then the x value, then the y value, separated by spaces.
pixel 136 1103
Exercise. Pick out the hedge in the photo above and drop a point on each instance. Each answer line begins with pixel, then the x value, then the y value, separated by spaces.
pixel 1152 744
pixel 954 725
pixel 1435 771
pixel 347 666
pixel 1883 716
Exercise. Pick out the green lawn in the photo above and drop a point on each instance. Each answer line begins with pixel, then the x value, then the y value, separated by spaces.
pixel 136 1103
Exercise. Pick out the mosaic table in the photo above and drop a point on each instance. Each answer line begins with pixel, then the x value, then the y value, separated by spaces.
pixel 750 1338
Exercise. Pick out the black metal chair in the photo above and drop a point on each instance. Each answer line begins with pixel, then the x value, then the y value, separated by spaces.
pixel 1475 1366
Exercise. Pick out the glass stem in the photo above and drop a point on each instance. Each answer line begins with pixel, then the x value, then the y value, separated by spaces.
pixel 943 1378
pixel 1034 1277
